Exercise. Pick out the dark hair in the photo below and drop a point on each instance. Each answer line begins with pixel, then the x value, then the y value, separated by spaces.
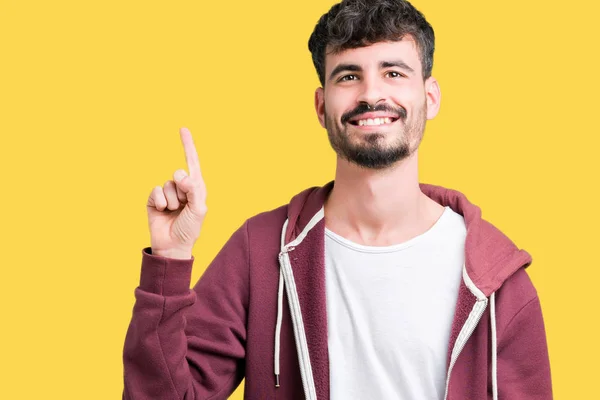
pixel 358 23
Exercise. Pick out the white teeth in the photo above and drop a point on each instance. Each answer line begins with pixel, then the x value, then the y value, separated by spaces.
pixel 375 121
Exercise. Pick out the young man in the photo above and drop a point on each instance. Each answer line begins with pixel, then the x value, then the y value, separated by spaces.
pixel 372 287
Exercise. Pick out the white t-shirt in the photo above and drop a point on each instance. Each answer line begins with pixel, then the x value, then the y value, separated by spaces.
pixel 390 310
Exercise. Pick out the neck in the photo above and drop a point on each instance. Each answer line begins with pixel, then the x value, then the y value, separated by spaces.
pixel 379 207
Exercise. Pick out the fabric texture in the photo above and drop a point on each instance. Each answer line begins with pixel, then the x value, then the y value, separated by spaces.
pixel 382 343
pixel 199 343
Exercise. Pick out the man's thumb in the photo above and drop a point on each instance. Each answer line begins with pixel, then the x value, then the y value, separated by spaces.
pixel 186 186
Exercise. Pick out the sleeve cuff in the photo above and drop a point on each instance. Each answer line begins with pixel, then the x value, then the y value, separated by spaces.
pixel 165 276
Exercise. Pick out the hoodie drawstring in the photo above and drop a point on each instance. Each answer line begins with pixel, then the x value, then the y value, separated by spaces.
pixel 279 307
pixel 286 279
pixel 278 327
pixel 494 347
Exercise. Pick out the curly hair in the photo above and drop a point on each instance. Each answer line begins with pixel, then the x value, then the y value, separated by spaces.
pixel 358 23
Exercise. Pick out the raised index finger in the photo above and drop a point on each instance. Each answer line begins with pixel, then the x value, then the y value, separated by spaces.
pixel 191 155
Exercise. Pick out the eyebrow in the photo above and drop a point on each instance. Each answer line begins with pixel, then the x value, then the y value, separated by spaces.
pixel 396 63
pixel 344 67
pixel 356 68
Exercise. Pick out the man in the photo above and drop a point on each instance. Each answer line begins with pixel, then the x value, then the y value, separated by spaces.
pixel 373 286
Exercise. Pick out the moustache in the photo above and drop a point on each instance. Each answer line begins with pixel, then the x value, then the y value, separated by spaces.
pixel 363 108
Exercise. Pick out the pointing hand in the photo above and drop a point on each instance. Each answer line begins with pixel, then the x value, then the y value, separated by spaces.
pixel 177 209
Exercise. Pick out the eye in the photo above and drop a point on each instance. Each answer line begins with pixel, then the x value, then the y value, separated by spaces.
pixel 394 74
pixel 348 78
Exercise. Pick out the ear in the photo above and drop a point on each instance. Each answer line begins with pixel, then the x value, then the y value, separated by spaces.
pixel 434 97
pixel 320 105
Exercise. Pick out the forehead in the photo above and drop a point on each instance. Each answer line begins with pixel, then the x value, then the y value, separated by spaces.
pixel 405 49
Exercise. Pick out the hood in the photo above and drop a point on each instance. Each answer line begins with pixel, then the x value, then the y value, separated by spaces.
pixel 490 256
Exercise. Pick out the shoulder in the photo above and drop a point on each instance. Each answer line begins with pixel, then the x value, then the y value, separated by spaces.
pixel 517 289
pixel 267 223
pixel 262 235
pixel 514 296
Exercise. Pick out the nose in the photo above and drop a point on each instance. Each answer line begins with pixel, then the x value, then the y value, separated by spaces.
pixel 371 91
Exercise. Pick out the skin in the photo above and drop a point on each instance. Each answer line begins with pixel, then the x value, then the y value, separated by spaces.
pixel 381 204
pixel 375 201
pixel 177 210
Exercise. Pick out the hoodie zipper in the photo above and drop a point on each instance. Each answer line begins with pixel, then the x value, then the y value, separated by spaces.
pixel 298 324
pixel 464 335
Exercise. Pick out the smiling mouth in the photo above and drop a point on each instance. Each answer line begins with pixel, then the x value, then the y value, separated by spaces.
pixel 373 121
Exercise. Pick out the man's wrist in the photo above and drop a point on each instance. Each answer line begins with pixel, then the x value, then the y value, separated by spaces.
pixel 173 253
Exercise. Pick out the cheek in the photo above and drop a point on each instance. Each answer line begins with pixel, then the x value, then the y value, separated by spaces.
pixel 335 106
pixel 410 96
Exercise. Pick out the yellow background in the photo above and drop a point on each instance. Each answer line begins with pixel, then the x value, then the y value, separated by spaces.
pixel 91 98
